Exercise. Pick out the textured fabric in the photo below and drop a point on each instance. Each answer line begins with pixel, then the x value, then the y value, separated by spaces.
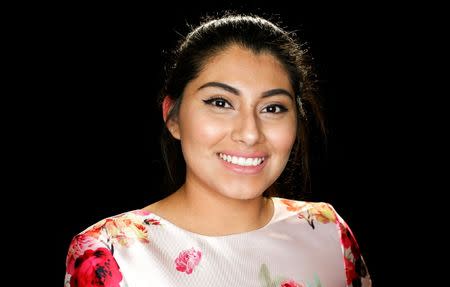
pixel 305 244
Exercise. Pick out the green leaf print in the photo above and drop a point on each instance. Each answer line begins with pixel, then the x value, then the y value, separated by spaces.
pixel 267 281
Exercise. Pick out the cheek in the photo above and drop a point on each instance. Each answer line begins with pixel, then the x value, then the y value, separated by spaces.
pixel 201 129
pixel 282 138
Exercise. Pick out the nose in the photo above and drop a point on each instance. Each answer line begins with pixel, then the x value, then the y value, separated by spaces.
pixel 247 129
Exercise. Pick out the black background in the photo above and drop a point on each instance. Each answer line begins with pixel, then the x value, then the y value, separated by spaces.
pixel 98 72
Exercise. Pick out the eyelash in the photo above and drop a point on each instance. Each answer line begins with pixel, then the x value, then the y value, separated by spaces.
pixel 211 100
pixel 282 108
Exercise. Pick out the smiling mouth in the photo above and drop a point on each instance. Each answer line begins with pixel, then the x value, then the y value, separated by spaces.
pixel 242 161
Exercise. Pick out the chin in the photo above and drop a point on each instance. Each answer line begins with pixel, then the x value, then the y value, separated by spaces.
pixel 242 195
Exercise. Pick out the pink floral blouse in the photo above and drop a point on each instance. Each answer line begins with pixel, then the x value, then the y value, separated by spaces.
pixel 305 244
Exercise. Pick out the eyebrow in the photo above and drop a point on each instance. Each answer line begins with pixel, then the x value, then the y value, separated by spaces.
pixel 236 92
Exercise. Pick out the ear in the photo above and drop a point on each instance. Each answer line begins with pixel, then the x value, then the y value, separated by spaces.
pixel 172 124
pixel 167 106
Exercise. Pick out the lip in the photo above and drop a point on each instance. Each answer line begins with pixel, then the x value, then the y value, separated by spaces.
pixel 244 169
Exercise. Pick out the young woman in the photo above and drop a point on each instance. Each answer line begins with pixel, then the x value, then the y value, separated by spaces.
pixel 236 105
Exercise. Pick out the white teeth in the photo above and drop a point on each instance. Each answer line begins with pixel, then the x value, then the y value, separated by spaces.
pixel 242 160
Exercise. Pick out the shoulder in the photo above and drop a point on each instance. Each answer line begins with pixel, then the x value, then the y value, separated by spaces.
pixel 313 213
pixel 121 229
pixel 93 249
pixel 322 212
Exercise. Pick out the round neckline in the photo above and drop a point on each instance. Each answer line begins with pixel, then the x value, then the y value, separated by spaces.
pixel 245 233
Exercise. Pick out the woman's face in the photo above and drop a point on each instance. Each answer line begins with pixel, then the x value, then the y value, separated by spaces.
pixel 237 124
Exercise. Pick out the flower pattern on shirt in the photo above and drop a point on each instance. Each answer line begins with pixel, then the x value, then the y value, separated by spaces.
pixel 187 260
pixel 311 211
pixel 280 281
pixel 77 248
pixel 355 268
pixel 291 283
pixel 90 261
pixel 104 254
pixel 124 228
pixel 96 268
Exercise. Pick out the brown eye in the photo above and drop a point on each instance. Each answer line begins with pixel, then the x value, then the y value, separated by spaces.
pixel 218 102
pixel 275 109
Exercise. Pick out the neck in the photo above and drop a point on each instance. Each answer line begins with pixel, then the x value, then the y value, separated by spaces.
pixel 213 214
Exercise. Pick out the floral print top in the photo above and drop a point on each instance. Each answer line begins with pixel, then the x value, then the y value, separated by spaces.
pixel 305 244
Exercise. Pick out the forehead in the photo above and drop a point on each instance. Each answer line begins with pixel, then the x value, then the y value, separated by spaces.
pixel 241 66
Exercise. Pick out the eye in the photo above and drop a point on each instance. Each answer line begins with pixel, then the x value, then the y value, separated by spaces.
pixel 275 109
pixel 218 102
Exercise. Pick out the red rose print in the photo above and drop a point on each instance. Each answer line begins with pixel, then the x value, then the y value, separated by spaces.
pixel 350 271
pixel 291 283
pixel 78 245
pixel 345 238
pixel 352 254
pixel 96 268
pixel 188 260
